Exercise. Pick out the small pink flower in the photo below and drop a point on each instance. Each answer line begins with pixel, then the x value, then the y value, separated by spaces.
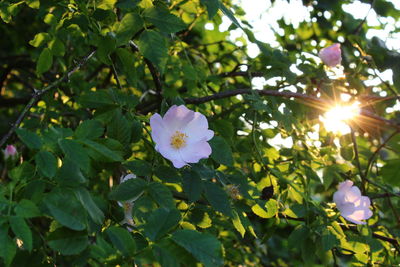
pixel 10 151
pixel 352 205
pixel 181 135
pixel 331 55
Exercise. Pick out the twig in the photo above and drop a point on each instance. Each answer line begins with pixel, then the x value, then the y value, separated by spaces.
pixel 355 146
pixel 384 195
pixel 115 73
pixel 38 93
pixel 153 71
pixel 231 93
pixel 371 159
pixel 242 73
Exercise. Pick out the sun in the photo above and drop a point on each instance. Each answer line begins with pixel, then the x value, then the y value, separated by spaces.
pixel 336 119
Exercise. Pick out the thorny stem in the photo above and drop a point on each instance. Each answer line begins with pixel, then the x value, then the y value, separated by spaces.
pixel 38 94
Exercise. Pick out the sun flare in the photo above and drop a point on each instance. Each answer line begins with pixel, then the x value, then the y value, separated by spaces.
pixel 336 119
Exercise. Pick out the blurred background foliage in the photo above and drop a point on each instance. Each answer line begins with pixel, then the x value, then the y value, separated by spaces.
pixel 92 72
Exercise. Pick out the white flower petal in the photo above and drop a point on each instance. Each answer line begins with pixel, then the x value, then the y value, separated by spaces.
pixel 177 117
pixel 194 152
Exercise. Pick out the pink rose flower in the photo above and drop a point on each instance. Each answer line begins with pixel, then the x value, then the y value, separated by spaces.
pixel 10 151
pixel 352 205
pixel 181 135
pixel 331 55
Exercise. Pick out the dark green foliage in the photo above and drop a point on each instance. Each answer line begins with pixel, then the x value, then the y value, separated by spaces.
pixel 80 80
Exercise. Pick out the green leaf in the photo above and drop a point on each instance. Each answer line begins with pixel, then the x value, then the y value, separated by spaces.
pixel 76 153
pixel 127 60
pixel 192 185
pixel 204 247
pixel 329 240
pixel 46 164
pixel 130 24
pixel 87 202
pixel 27 209
pixel 122 240
pixel 45 61
pixel 29 138
pixel 105 46
pixel 40 39
pixel 347 152
pixel 160 222
pixel 103 152
pixel 57 47
pixel 22 172
pixel 64 207
pixel 163 20
pixel 238 224
pixel 120 129
pixel 229 14
pixel 22 230
pixel 221 151
pixel 106 4
pixel 8 248
pixel 68 242
pixel 153 46
pixel 218 198
pixel 129 189
pixel 89 129
pixel 212 7
pixel 98 99
pixel 139 167
pixel 268 211
pixel 127 4
pixel 167 174
pixel 390 172
pixel 70 174
pixel 161 194
pixel 301 232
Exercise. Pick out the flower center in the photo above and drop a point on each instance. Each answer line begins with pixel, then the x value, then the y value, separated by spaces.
pixel 178 140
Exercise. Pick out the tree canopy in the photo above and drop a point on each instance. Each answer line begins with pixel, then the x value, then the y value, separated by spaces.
pixel 100 98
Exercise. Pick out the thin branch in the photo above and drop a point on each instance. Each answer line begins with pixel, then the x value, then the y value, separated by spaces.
pixel 371 159
pixel 385 195
pixel 37 95
pixel 242 73
pixel 115 73
pixel 355 146
pixel 309 99
pixel 154 73
pixel 231 93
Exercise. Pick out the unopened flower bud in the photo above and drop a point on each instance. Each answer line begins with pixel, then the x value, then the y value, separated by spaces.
pixel 331 55
pixel 10 151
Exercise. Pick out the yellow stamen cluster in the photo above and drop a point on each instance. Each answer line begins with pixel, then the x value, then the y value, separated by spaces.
pixel 178 140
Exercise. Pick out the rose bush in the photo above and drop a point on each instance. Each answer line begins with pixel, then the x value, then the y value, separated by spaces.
pixel 223 145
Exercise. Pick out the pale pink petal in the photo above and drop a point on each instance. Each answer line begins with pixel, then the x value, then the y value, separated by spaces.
pixel 177 117
pixel 347 209
pixel 172 154
pixel 197 129
pixel 352 205
pixel 158 128
pixel 338 197
pixel 353 194
pixel 331 56
pixel 365 202
pixel 353 220
pixel 209 135
pixel 345 185
pixel 194 152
